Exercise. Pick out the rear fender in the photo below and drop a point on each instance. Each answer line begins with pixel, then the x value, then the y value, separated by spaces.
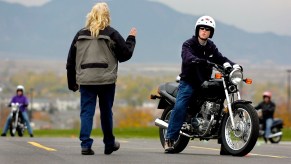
pixel 277 124
pixel 164 103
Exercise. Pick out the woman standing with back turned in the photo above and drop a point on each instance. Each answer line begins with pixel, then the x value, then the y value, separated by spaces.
pixel 92 67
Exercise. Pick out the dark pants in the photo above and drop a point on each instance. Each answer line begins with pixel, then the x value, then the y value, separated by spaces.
pixel 89 95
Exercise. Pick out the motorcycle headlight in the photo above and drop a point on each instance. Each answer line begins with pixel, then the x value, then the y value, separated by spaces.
pixel 14 109
pixel 236 76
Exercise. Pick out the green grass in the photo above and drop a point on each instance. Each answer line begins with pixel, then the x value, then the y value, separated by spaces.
pixel 286 134
pixel 149 132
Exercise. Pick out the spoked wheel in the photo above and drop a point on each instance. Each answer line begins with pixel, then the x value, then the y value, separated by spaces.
pixel 242 139
pixel 275 139
pixel 181 143
pixel 12 130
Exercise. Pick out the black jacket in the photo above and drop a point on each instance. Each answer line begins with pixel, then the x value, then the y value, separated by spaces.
pixel 192 52
pixel 122 49
pixel 268 109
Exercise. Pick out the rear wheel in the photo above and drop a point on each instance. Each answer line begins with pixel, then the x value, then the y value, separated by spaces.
pixel 20 132
pixel 181 143
pixel 275 139
pixel 242 139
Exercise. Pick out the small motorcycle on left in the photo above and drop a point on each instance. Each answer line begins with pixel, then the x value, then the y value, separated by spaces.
pixel 17 123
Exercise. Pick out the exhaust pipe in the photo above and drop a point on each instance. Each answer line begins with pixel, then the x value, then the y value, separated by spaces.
pixel 275 135
pixel 162 124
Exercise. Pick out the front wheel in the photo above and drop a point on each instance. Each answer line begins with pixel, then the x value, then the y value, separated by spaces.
pixel 181 143
pixel 12 130
pixel 242 139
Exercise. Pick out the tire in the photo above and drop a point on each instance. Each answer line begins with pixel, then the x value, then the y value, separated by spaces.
pixel 11 131
pixel 247 122
pixel 20 132
pixel 275 140
pixel 181 143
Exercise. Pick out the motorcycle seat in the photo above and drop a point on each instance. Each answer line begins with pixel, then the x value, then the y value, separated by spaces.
pixel 172 88
pixel 277 121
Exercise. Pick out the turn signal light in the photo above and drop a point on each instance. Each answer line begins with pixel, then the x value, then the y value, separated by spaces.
pixel 225 110
pixel 248 81
pixel 218 75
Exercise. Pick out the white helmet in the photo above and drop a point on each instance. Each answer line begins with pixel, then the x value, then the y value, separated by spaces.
pixel 20 87
pixel 205 21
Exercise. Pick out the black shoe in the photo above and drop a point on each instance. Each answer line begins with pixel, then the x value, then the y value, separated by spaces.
pixel 87 151
pixel 169 146
pixel 109 150
pixel 31 135
pixel 223 151
pixel 3 135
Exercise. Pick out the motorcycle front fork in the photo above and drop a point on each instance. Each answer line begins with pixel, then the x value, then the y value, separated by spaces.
pixel 229 103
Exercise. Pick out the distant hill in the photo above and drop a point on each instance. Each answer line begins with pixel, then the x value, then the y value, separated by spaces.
pixel 46 32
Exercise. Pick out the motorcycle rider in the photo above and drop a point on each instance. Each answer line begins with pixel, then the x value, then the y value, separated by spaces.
pixel 268 109
pixel 21 99
pixel 195 70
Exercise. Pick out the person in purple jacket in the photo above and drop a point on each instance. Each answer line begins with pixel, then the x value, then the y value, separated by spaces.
pixel 21 99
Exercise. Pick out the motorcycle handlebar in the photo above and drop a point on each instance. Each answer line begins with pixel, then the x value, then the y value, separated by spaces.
pixel 24 105
pixel 218 67
pixel 211 64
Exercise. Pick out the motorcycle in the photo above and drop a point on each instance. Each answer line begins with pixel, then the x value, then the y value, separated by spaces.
pixel 17 123
pixel 276 129
pixel 235 125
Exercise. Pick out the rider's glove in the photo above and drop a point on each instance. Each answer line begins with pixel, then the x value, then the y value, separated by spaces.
pixel 227 66
pixel 236 66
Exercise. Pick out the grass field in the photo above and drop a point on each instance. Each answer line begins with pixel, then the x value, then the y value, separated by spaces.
pixel 149 132
pixel 287 134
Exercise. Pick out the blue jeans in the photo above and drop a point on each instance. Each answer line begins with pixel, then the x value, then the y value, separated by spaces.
pixel 26 119
pixel 89 95
pixel 185 94
pixel 269 122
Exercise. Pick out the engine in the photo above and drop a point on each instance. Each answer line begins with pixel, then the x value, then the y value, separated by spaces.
pixel 209 108
pixel 202 121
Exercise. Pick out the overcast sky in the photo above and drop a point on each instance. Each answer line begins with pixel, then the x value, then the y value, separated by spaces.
pixel 250 15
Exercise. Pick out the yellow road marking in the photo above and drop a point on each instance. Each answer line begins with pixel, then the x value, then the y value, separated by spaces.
pixel 41 146
pixel 206 148
pixel 261 155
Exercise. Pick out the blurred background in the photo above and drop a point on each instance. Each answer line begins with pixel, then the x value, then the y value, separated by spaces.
pixel 36 36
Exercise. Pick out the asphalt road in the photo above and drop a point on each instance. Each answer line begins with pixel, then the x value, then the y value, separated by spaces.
pixel 133 151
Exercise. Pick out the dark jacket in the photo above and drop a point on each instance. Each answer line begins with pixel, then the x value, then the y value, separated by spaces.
pixel 122 49
pixel 193 52
pixel 268 109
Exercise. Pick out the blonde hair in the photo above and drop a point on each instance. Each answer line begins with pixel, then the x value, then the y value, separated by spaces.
pixel 98 18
